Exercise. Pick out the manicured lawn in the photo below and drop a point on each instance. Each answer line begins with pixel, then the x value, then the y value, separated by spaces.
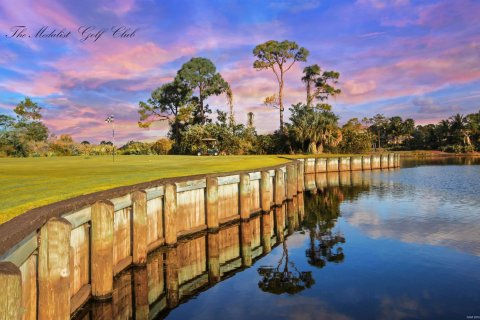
pixel 27 183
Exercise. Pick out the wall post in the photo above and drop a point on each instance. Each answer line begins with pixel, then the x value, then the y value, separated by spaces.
pixel 244 192
pixel 332 164
pixel 54 270
pixel 384 161
pixel 212 203
pixel 279 187
pixel 102 249
pixel 355 163
pixel 11 291
pixel 391 160
pixel 265 191
pixel 300 176
pixel 170 214
pixel 366 163
pixel 375 162
pixel 344 164
pixel 320 165
pixel 291 181
pixel 139 251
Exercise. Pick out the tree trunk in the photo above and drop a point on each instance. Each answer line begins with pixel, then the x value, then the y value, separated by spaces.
pixel 309 95
pixel 280 101
pixel 202 113
pixel 312 147
pixel 320 148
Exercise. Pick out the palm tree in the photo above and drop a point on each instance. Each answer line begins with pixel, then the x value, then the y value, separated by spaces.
pixel 316 126
pixel 459 129
pixel 310 78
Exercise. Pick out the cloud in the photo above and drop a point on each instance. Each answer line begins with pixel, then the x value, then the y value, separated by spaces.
pixel 372 34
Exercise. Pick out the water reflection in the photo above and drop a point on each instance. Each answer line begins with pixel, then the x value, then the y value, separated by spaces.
pixel 315 245
pixel 285 277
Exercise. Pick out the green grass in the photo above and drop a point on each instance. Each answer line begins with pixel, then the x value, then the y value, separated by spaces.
pixel 27 183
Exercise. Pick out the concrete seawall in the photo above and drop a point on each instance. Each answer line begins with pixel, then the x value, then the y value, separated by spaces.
pixel 76 255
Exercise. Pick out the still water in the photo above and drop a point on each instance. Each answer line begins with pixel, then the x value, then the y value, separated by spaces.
pixel 396 244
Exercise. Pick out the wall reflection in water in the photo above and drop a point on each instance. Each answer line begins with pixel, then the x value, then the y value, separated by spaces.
pixel 174 275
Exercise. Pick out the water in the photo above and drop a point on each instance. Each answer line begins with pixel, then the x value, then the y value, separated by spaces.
pixel 398 244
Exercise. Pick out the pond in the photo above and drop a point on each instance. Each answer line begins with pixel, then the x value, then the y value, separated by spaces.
pixel 396 244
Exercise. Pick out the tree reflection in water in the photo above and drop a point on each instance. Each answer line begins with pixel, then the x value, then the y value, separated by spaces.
pixel 285 278
pixel 321 213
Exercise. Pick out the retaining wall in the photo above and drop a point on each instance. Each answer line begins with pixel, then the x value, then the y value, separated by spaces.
pixel 79 252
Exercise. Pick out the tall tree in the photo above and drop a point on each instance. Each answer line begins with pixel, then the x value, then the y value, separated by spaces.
pixel 379 124
pixel 250 117
pixel 27 111
pixel 29 121
pixel 320 85
pixel 166 103
pixel 279 57
pixel 459 129
pixel 200 75
pixel 311 74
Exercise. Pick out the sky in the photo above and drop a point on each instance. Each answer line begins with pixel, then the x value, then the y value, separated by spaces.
pixel 416 59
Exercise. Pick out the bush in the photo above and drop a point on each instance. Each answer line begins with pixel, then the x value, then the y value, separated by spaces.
pixel 162 146
pixel 456 148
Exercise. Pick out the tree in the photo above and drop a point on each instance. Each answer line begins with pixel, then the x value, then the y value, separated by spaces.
pixel 6 123
pixel 311 73
pixel 473 126
pixel 279 57
pixel 459 130
pixel 166 103
pixel 27 111
pixel 200 75
pixel 355 138
pixel 378 127
pixel 250 117
pixel 316 127
pixel 29 121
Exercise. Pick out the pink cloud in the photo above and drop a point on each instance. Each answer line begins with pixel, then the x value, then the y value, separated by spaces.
pixel 36 13
pixel 119 7
pixel 412 76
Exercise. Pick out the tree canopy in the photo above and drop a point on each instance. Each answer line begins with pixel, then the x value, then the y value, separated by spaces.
pixel 200 75
pixel 279 57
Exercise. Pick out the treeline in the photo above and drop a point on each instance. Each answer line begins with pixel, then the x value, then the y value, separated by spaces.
pixel 25 135
pixel 312 127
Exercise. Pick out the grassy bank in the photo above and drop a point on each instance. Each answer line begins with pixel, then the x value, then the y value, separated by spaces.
pixel 27 183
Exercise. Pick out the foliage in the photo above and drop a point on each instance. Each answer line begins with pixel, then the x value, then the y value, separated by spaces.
pixel 457 134
pixel 17 135
pixel 320 85
pixel 279 57
pixel 236 140
pixel 314 128
pixel 160 147
pixel 356 139
pixel 64 146
pixel 200 75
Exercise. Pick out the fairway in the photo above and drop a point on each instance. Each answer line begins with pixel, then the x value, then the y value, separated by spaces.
pixel 27 183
